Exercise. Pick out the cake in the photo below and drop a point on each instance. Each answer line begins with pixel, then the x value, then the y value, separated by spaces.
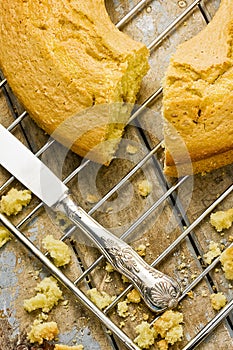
pixel 100 298
pixel 75 73
pixel 222 219
pixel 5 236
pixel 47 296
pixel 123 308
pixel 66 347
pixel 14 201
pixel 168 327
pixel 197 99
pixel 134 296
pixel 214 251
pixel 218 300
pixel 58 250
pixel 146 335
pixel 41 331
pixel 144 188
pixel 226 259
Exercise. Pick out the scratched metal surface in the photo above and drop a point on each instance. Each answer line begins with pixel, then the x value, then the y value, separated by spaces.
pixel 19 270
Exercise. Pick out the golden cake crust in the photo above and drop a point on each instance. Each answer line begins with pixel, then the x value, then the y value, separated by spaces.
pixel 198 99
pixel 61 57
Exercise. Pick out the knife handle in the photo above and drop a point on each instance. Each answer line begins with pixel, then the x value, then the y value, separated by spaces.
pixel 158 290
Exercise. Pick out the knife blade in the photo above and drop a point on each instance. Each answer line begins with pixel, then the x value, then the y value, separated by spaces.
pixel 158 290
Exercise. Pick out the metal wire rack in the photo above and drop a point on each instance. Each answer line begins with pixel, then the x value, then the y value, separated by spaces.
pixel 169 194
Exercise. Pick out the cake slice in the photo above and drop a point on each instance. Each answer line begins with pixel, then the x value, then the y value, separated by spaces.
pixel 61 58
pixel 198 99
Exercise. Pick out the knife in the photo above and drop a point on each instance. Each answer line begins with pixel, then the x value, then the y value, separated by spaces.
pixel 158 290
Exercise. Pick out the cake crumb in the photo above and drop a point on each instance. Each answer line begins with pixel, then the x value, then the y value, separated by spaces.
pixel 144 188
pixel 213 252
pixel 134 296
pixel 100 298
pixel 124 279
pixel 169 327
pixel 122 324
pixel 222 219
pixel 109 268
pixel 65 302
pixel 162 344
pixel 14 201
pixel 58 250
pixel 5 236
pixel 141 249
pixel 226 260
pixel 108 279
pixel 146 335
pixel 42 330
pixel 109 210
pixel 43 317
pixel 218 300
pixel 66 347
pixel 190 294
pixel 123 308
pixel 145 317
pixel 48 295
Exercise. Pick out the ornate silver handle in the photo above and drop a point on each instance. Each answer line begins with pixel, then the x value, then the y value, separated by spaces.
pixel 158 290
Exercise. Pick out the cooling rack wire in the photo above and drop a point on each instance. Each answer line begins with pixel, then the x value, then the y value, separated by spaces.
pixel 169 194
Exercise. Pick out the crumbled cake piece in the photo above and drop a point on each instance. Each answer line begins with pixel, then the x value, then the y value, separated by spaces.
pixel 42 330
pixel 100 298
pixel 124 279
pixel 222 219
pixel 43 317
pixel 144 188
pixel 84 60
pixel 146 335
pixel 134 296
pixel 213 252
pixel 5 236
pixel 197 95
pixel 48 295
pixel 66 347
pixel 14 201
pixel 58 250
pixel 141 249
pixel 174 334
pixel 145 316
pixel 218 300
pixel 169 327
pixel 190 294
pixel 123 308
pixel 109 268
pixel 162 344
pixel 226 259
